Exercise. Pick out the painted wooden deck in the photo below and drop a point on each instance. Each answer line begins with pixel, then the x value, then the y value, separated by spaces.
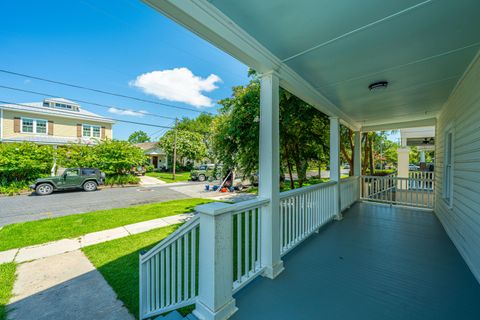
pixel 377 263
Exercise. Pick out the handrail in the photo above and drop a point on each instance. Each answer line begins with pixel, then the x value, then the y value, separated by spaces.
pixel 244 205
pixel 186 227
pixel 301 190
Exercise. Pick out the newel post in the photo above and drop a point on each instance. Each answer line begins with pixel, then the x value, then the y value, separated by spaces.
pixel 335 162
pixel 269 174
pixel 215 301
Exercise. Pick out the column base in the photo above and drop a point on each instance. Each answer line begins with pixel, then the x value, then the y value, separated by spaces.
pixel 338 217
pixel 273 272
pixel 202 312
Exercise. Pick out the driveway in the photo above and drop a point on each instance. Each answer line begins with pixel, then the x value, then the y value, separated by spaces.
pixel 33 207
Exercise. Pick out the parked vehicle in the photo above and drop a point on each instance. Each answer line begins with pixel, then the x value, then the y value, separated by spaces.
pixel 87 179
pixel 138 170
pixel 413 167
pixel 205 172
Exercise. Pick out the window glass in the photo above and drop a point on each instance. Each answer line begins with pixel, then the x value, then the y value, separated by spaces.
pixel 41 126
pixel 96 131
pixel 86 130
pixel 27 125
pixel 88 172
pixel 72 173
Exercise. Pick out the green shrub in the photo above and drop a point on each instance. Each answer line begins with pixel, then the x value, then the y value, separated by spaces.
pixel 21 162
pixel 12 188
pixel 121 179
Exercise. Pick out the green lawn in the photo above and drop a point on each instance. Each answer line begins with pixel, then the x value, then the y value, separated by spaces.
pixel 7 277
pixel 168 177
pixel 117 261
pixel 41 231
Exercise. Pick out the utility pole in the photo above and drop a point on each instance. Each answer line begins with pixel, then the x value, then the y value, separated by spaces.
pixel 175 148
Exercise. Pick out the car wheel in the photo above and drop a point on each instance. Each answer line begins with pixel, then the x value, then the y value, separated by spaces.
pixel 44 189
pixel 201 178
pixel 90 186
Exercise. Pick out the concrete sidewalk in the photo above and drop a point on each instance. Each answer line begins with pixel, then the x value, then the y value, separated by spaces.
pixel 65 286
pixel 68 245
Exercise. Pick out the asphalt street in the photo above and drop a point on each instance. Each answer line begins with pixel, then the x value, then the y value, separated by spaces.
pixel 33 207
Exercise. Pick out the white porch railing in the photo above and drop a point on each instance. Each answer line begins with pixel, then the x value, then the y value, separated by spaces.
pixel 247 246
pixel 222 248
pixel 168 272
pixel 415 191
pixel 349 191
pixel 303 211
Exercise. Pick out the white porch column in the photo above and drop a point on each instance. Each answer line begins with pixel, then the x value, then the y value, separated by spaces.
pixel 402 166
pixel 269 173
pixel 215 300
pixel 357 154
pixel 335 162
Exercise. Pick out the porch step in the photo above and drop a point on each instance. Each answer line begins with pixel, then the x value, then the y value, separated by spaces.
pixel 174 315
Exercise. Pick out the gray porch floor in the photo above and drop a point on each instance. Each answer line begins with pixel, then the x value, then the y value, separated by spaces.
pixel 377 263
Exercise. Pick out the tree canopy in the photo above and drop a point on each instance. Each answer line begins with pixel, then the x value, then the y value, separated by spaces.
pixel 138 137
pixel 190 145
pixel 236 131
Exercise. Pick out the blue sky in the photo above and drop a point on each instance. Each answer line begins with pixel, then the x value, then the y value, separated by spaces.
pixel 107 44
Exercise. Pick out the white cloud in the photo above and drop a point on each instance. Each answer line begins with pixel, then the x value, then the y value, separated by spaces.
pixel 178 84
pixel 132 113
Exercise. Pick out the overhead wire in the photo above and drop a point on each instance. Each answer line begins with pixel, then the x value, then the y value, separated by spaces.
pixel 115 94
pixel 88 102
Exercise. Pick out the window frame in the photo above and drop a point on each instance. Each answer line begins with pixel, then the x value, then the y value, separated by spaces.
pixel 448 166
pixel 91 130
pixel 34 126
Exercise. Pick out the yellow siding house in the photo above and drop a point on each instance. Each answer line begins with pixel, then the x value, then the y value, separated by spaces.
pixel 55 121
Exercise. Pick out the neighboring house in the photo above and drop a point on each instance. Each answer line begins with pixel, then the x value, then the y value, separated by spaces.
pixel 54 121
pixel 157 156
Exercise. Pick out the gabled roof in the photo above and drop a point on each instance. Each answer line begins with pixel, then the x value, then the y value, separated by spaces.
pixel 38 108
pixel 152 148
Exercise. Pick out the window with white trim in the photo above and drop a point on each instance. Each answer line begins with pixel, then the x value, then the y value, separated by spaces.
pixel 89 130
pixel 448 168
pixel 38 126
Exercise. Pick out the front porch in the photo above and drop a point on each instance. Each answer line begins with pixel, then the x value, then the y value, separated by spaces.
pixel 379 262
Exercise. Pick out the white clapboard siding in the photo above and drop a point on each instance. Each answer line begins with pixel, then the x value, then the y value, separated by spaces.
pixel 462 114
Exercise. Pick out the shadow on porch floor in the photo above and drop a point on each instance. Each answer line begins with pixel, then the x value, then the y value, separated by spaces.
pixel 378 263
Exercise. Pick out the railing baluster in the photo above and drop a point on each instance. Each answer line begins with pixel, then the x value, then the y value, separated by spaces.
pixel 247 243
pixel 239 246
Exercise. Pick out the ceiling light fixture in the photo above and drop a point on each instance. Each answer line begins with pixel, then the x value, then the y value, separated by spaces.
pixel 380 85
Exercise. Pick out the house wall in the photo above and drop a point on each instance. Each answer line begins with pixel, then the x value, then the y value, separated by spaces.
pixel 462 114
pixel 63 127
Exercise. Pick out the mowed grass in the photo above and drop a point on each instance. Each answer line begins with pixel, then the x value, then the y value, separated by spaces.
pixel 7 278
pixel 118 260
pixel 168 176
pixel 36 232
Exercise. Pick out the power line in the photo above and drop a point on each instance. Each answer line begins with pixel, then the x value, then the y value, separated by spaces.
pixel 100 91
pixel 118 120
pixel 87 102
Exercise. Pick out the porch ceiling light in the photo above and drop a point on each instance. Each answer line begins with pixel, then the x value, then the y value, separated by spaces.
pixel 380 85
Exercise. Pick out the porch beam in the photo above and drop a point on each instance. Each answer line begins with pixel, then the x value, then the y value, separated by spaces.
pixel 335 162
pixel 269 173
pixel 400 125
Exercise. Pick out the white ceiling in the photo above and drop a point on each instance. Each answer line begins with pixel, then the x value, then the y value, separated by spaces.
pixel 421 48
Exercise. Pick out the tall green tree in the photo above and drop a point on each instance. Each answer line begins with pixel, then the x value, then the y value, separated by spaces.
pixel 138 137
pixel 189 145
pixel 303 136
pixel 203 126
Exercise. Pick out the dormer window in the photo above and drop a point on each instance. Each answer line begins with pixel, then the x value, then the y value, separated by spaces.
pixel 60 103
